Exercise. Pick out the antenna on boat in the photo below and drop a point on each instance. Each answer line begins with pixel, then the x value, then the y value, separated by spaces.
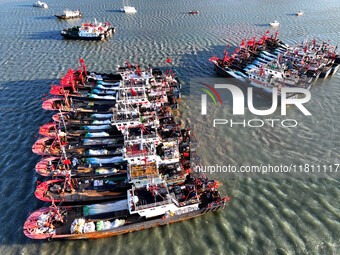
pixel 63 120
pixel 55 212
pixel 141 137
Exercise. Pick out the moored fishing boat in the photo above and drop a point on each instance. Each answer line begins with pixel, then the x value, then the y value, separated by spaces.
pixel 154 203
pixel 83 167
pixel 88 146
pixel 83 118
pixel 69 104
pixel 77 190
pixel 51 129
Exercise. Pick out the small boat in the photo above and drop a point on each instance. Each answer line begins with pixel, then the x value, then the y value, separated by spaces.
pixel 40 5
pixel 275 23
pixel 89 31
pixel 300 13
pixel 69 15
pixel 193 12
pixel 128 9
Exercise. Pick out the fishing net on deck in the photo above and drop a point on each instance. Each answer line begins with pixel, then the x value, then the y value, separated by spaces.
pixel 97 127
pixel 102 115
pixel 105 160
pixel 105 208
pixel 97 134
pixel 108 121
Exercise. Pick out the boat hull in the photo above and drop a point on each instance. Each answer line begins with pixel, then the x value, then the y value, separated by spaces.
pixel 68 17
pixel 325 73
pixel 75 36
pixel 123 229
pixel 335 69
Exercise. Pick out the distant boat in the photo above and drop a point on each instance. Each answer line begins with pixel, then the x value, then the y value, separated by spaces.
pixel 40 4
pixel 70 15
pixel 275 23
pixel 193 12
pixel 128 9
pixel 300 13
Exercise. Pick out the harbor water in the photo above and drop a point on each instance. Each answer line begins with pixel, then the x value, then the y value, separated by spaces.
pixel 264 215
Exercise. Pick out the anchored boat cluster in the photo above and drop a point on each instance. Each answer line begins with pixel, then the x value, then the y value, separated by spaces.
pixel 268 63
pixel 116 158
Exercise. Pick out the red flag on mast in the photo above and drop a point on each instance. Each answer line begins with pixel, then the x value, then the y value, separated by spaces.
pixel 128 64
pixel 83 65
pixel 277 31
pixel 133 92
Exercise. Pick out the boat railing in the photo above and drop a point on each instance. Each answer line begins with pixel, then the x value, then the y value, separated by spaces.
pixel 131 97
pixel 141 207
pixel 138 137
pixel 138 154
pixel 124 119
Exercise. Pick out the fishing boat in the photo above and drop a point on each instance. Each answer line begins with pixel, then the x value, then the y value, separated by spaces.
pixel 266 81
pixel 83 118
pixel 53 129
pixel 274 24
pixel 78 190
pixel 40 5
pixel 154 203
pixel 52 166
pixel 67 14
pixel 86 31
pixel 300 13
pixel 69 104
pixel 73 146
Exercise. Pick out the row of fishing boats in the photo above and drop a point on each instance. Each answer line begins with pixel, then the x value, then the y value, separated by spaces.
pixel 116 159
pixel 269 63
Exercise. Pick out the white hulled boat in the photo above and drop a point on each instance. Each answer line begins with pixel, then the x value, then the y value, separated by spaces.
pixel 128 9
pixel 40 5
pixel 300 13
pixel 67 14
pixel 275 23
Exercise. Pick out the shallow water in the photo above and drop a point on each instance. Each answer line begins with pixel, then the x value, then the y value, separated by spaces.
pixel 264 216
